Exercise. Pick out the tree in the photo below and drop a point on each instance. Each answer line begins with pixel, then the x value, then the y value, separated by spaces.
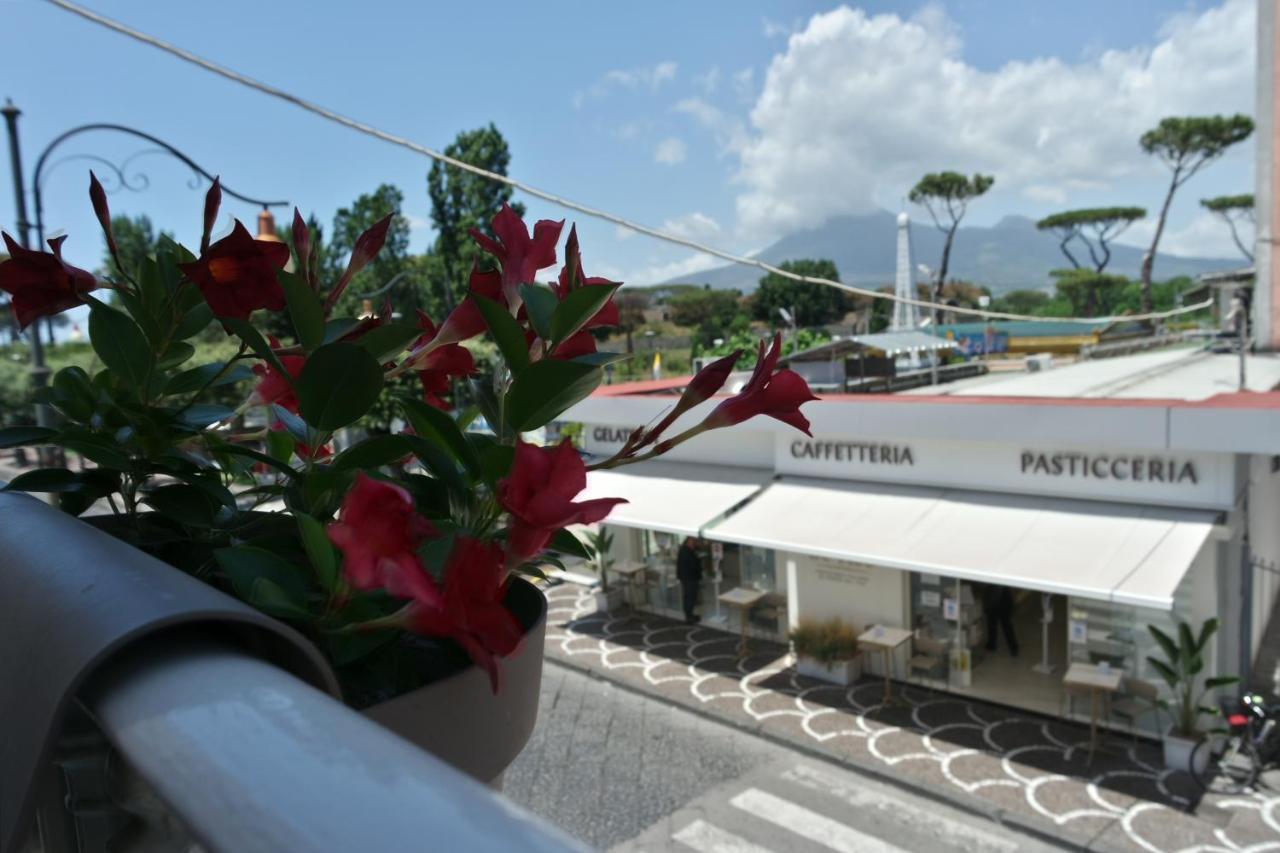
pixel 1186 145
pixel 1232 209
pixel 710 312
pixel 461 201
pixel 348 224
pixel 632 303
pixel 947 193
pixel 1027 302
pixel 1090 292
pixel 1096 227
pixel 810 304
pixel 136 241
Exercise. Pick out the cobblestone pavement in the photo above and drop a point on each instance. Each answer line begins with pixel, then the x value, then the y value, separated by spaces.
pixel 1015 766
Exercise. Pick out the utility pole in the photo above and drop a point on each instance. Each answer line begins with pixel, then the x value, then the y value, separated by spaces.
pixel 39 371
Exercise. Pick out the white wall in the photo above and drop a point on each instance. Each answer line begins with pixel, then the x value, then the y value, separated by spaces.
pixel 820 588
pixel 1264 539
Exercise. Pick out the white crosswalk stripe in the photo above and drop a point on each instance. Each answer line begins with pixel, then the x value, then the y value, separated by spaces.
pixel 707 838
pixel 809 824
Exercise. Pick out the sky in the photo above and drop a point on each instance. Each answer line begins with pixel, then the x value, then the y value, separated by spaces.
pixel 732 123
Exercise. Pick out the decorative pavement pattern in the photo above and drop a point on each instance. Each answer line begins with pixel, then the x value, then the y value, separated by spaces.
pixel 1017 767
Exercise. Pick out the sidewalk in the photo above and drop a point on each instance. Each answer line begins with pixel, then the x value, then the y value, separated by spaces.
pixel 1019 768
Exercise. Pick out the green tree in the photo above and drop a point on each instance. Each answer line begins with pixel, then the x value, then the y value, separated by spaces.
pixel 946 195
pixel 1027 302
pixel 1090 292
pixel 461 201
pixel 810 304
pixel 1232 209
pixel 632 304
pixel 391 264
pixel 136 240
pixel 1186 145
pixel 1096 227
pixel 711 313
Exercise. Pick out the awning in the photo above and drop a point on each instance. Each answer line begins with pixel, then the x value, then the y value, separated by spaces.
pixel 673 497
pixel 1112 552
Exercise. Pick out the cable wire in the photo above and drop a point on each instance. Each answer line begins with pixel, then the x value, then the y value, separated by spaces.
pixel 569 204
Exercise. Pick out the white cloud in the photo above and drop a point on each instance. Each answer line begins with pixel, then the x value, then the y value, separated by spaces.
pixel 693 226
pixel 1205 236
pixel 651 79
pixel 660 271
pixel 773 29
pixel 744 83
pixel 858 106
pixel 620 233
pixel 417 223
pixel 708 82
pixel 670 151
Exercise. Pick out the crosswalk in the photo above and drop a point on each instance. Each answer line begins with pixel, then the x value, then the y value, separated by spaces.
pixel 806 807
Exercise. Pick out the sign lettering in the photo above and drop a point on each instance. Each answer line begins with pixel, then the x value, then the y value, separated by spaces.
pixel 853 451
pixel 1104 466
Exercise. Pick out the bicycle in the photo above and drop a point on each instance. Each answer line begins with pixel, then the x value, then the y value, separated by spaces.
pixel 1237 754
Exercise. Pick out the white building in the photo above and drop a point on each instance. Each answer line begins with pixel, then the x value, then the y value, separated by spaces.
pixel 1114 494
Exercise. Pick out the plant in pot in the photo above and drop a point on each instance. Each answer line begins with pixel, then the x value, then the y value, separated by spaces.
pixel 827 650
pixel 1181 669
pixel 403 556
pixel 600 541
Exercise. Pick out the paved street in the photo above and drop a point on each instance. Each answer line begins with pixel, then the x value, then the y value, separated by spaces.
pixel 624 771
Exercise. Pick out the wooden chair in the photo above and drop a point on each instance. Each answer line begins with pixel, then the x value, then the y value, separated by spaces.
pixel 1138 699
pixel 927 655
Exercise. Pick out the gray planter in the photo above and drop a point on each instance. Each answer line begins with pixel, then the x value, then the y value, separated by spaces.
pixel 461 720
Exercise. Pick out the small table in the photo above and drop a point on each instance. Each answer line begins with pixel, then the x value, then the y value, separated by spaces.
pixel 634 575
pixel 885 639
pixel 1101 684
pixel 743 599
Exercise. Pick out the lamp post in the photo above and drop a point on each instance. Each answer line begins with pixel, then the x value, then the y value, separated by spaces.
pixel 39 370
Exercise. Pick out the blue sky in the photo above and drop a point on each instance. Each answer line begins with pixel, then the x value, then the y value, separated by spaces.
pixel 728 122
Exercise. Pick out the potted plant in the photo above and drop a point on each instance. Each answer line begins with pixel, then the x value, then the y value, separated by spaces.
pixel 1181 670
pixel 402 556
pixel 600 541
pixel 827 650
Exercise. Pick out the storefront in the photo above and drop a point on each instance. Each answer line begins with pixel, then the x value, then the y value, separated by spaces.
pixel 1078 549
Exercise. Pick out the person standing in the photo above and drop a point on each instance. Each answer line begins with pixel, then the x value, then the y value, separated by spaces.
pixel 689 573
pixel 998 601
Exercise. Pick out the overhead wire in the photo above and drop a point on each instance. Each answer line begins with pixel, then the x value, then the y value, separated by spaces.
pixel 569 204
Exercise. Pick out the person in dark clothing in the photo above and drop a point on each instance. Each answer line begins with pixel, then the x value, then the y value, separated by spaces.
pixel 689 573
pixel 998 601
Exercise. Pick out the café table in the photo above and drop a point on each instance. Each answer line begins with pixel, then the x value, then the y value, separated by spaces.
pixel 886 639
pixel 742 599
pixel 637 581
pixel 1100 682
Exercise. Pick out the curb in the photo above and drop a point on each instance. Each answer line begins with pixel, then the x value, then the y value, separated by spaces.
pixel 1039 828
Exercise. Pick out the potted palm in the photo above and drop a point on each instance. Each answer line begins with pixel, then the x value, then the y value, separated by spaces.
pixel 600 541
pixel 1181 669
pixel 827 650
pixel 402 557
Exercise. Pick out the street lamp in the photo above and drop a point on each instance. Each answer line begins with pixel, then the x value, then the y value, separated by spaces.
pixel 39 370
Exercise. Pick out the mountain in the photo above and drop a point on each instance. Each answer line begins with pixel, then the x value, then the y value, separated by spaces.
pixel 1010 255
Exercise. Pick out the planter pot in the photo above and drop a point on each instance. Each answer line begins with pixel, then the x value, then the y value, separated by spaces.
pixel 842 672
pixel 1177 753
pixel 607 602
pixel 460 720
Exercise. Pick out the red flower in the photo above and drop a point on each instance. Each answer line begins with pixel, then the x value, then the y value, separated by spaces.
pixel 379 531
pixel 41 283
pixel 366 248
pixel 579 343
pixel 778 395
pixel 237 275
pixel 98 196
pixel 440 364
pixel 470 610
pixel 212 201
pixel 521 256
pixel 465 321
pixel 709 380
pixel 572 278
pixel 539 495
pixel 305 451
pixel 275 387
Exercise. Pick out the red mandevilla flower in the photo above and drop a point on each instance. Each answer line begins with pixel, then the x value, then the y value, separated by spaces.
pixel 237 275
pixel 273 386
pixel 440 364
pixel 778 395
pixel 709 380
pixel 379 531
pixel 470 610
pixel 521 255
pixel 539 495
pixel 41 283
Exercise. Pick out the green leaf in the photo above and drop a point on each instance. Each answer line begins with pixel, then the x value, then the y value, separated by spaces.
pixel 281 444
pixel 335 329
pixel 296 427
pixel 202 415
pixel 174 354
pixel 339 384
pixel 374 452
pixel 254 340
pixel 245 564
pixel 600 359
pixel 77 397
pixel 546 389
pixel 269 597
pixel 1206 631
pixel 435 460
pixel 194 321
pixel 319 550
pixel 388 341
pixel 200 377
pixel 140 315
pixel 540 304
pixel 151 288
pixel 45 480
pixel 1221 681
pixel 1166 672
pixel 20 436
pixel 1166 643
pixel 506 332
pixel 432 424
pixel 99 448
pixel 249 453
pixel 185 504
pixel 120 344
pixel 305 309
pixel 566 543
pixel 495 457
pixel 578 308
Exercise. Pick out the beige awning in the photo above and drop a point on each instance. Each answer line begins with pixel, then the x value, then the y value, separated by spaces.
pixel 673 497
